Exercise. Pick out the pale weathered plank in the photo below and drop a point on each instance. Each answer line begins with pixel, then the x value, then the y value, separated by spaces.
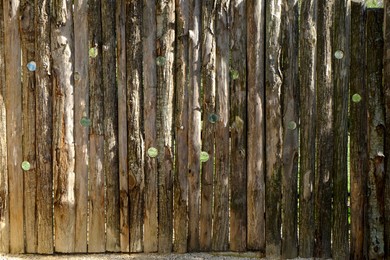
pixel 238 122
pixel 81 132
pixel 208 109
pixel 150 84
pixel 134 121
pixel 13 93
pixel 256 125
pixel 63 126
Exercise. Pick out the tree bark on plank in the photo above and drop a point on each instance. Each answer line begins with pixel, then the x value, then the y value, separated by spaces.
pixel 63 126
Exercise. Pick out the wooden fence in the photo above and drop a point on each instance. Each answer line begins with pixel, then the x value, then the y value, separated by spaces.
pixel 213 125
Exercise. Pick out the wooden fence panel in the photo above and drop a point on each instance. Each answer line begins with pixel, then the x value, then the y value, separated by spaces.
pixel 324 173
pixel 13 93
pixel 290 97
pixel 273 127
pixel 376 174
pixel 238 210
pixel 63 125
pixel 358 134
pixel 81 131
pixel 256 125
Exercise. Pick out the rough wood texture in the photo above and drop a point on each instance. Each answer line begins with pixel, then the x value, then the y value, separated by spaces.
pixel 4 195
pixel 376 122
pixel 165 15
pixel 274 142
pixel 134 123
pixel 238 210
pixel 323 179
pixel 27 30
pixel 341 40
pixel 111 161
pixel 358 134
pixel 221 181
pixel 150 101
pixel 256 125
pixel 208 108
pixel 63 125
pixel 81 110
pixel 307 77
pixel 290 101
pixel 96 229
pixel 181 128
pixel 13 93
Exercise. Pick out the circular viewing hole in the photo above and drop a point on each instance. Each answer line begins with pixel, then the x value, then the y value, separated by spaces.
pixel 31 66
pixel 356 98
pixel 26 166
pixel 152 152
pixel 204 156
pixel 213 118
pixel 339 54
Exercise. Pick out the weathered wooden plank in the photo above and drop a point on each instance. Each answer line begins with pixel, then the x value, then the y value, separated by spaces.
pixel 358 134
pixel 111 161
pixel 4 193
pixel 181 127
pixel 341 62
pixel 27 32
pixel 134 119
pixel 324 173
pixel 13 93
pixel 96 242
pixel 150 101
pixel 81 132
pixel 165 17
pixel 194 128
pixel 256 125
pixel 63 126
pixel 386 93
pixel 307 78
pixel 124 217
pixel 221 181
pixel 238 210
pixel 208 108
pixel 290 111
pixel 273 127
pixel 376 125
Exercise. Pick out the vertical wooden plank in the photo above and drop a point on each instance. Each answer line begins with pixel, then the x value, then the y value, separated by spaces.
pixel 111 162
pixel 256 125
pixel 81 132
pixel 150 85
pixel 96 242
pixel 307 63
pixel 208 108
pixel 165 15
pixel 290 100
pixel 63 125
pixel 221 182
pixel 324 173
pixel 13 93
pixel 27 30
pixel 194 128
pixel 341 62
pixel 376 122
pixel 4 195
pixel 134 119
pixel 44 126
pixel 124 217
pixel 386 93
pixel 273 126
pixel 358 133
pixel 181 126
pixel 238 212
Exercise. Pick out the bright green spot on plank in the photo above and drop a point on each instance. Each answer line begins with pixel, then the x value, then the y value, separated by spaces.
pixel 234 74
pixel 339 54
pixel 213 118
pixel 204 156
pixel 160 61
pixel 292 125
pixel 356 98
pixel 152 152
pixel 26 166
pixel 93 52
pixel 85 121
